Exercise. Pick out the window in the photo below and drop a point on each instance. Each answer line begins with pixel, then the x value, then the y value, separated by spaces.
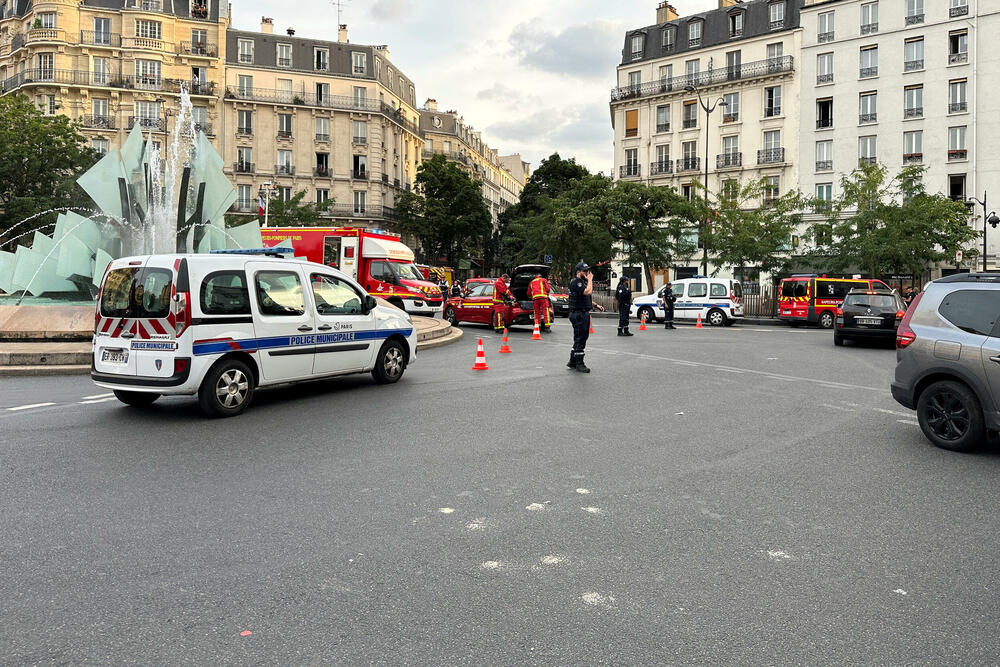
pixel 689 150
pixel 869 61
pixel 333 296
pixel 867 150
pixel 322 93
pixel 718 289
pixel 632 123
pixel 243 201
pixel 733 61
pixel 360 198
pixel 694 33
pixel 634 81
pixel 956 96
pixel 138 293
pixel 913 143
pixel 692 68
pixel 824 155
pixel 824 31
pixel 824 113
pixel 690 115
pixel 696 290
pixel 824 195
pixel 868 111
pixel 869 18
pixel 736 24
pixel 958 8
pixel 824 68
pixel 102 31
pixel 199 115
pixel 687 191
pixel 972 311
pixel 913 54
pixel 776 15
pixel 360 132
pixel 48 19
pixel 244 84
pixel 730 152
pixel 284 126
pixel 284 55
pixel 667 39
pixel 773 151
pixel 638 44
pixel 775 51
pixel 322 164
pixel 914 11
pixel 359 62
pixel 99 110
pixel 225 293
pixel 956 187
pixel 147 110
pixel 285 193
pixel 102 71
pixel 100 145
pixel 731 110
pixel 284 166
pixel 389 76
pixel 631 162
pixel 666 74
pixel 772 101
pixel 199 41
pixel 772 189
pixel 662 164
pixel 913 102
pixel 663 118
pixel 285 93
pixel 279 293
pixel 244 121
pixel 360 97
pixel 772 139
pixel 246 51
pixel 147 74
pixel 321 59
pixel 958 47
pixel 244 160
pixel 150 29
pixel 360 164
pixel 730 189
pixel 956 143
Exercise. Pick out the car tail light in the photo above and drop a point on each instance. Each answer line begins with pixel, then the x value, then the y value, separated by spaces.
pixel 900 314
pixel 840 312
pixel 182 313
pixel 904 334
pixel 180 365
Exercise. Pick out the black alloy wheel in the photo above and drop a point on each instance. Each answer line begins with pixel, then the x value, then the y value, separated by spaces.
pixel 951 417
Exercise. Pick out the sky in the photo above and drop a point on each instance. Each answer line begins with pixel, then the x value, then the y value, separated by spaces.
pixel 534 76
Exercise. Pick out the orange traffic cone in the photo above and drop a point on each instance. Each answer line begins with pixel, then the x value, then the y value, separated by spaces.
pixel 504 347
pixel 480 364
pixel 536 334
pixel 698 325
pixel 642 321
pixel 591 325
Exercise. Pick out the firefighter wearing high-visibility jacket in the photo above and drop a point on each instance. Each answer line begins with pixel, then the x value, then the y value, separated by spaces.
pixel 538 290
pixel 501 297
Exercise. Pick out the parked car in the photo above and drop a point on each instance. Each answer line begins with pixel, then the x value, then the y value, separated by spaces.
pixel 476 305
pixel 948 360
pixel 872 314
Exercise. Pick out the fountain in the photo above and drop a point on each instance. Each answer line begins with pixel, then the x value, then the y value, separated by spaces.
pixel 147 203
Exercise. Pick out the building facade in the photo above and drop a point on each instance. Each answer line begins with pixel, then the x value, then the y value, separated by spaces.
pixel 740 58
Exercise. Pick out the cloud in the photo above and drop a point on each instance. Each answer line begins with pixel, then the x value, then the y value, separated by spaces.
pixel 391 10
pixel 582 50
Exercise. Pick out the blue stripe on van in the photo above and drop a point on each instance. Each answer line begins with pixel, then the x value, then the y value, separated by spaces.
pixel 277 342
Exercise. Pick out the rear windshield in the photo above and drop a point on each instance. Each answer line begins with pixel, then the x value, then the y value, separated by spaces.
pixel 872 300
pixel 793 288
pixel 737 289
pixel 141 293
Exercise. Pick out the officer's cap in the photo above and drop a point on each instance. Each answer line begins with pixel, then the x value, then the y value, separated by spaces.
pixel 583 266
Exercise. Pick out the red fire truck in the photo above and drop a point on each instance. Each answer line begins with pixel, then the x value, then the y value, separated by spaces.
pixel 814 298
pixel 376 259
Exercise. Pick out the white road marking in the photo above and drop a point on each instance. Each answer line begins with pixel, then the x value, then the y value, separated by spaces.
pixel 29 407
pixel 476 524
pixel 893 412
pixel 900 591
pixel 583 491
pixel 908 421
pixel 778 555
pixel 835 407
pixel 678 414
pixel 491 565
pixel 552 560
pixel 90 398
pixel 446 510
pixel 598 600
pixel 731 370
pixel 593 510
pixel 98 400
pixel 535 507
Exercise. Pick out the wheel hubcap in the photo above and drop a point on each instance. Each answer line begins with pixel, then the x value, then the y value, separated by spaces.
pixel 947 416
pixel 232 388
pixel 716 318
pixel 393 363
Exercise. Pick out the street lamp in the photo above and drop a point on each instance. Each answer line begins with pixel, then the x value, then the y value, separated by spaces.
pixel 265 193
pixel 708 118
pixel 992 219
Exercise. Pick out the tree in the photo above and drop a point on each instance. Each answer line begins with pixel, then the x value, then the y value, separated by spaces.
pixel 42 158
pixel 746 234
pixel 293 213
pixel 891 226
pixel 447 212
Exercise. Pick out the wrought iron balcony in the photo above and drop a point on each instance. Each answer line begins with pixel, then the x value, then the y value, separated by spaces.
pixel 360 174
pixel 284 169
pixel 736 32
pixel 867 161
pixel 284 134
pixel 913 65
pixel 323 171
pixel 771 112
pixel 959 154
pixel 958 107
pixel 757 69
pixel 777 25
pixel 689 164
pixel 869 28
pixel 145 5
pixel 694 43
pixel 914 19
pixel 246 59
pixel 771 156
pixel 360 140
pixel 147 123
pixel 824 165
pixel 244 167
pixel 824 37
pixel 824 78
pixel 958 11
pixel 207 49
pixel 98 122
pixel 322 137
pixel 690 123
pixel 958 58
pixel 868 118
pixel 629 171
pixel 913 158
pixel 867 72
pixel 368 212
pixel 661 167
pixel 663 127
pixel 245 131
pixel 284 62
pixel 824 123
pixel 109 39
pixel 913 112
pixel 728 160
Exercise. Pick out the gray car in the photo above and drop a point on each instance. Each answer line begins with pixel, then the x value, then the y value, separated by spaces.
pixel 948 360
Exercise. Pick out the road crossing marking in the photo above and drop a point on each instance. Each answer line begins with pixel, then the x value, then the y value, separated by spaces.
pixel 29 407
pixel 97 400
pixel 90 398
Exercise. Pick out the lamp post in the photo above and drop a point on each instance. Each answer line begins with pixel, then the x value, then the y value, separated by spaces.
pixel 992 219
pixel 708 118
pixel 265 194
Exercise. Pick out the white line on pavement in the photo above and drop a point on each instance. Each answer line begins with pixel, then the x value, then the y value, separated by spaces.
pixel 28 407
pixel 90 398
pixel 908 421
pixel 893 412
pixel 97 400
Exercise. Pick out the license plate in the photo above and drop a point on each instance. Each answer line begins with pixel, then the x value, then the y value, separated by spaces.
pixel 868 320
pixel 119 357
pixel 786 312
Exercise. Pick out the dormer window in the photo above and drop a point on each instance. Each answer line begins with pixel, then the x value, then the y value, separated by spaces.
pixel 694 33
pixel 776 14
pixel 199 9
pixel 736 24
pixel 638 46
pixel 321 59
pixel 667 39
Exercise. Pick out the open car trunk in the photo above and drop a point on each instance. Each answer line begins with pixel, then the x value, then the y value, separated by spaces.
pixel 521 277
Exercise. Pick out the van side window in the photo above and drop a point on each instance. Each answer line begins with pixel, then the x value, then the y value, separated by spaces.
pixel 718 289
pixel 381 271
pixel 279 293
pixel 697 290
pixel 334 296
pixel 225 293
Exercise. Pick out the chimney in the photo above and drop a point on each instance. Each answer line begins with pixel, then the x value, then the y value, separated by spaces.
pixel 665 12
pixel 266 25
pixel 342 34
pixel 431 104
pixel 729 3
pixel 291 32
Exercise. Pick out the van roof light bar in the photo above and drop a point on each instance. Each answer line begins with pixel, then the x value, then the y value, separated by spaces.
pixel 267 252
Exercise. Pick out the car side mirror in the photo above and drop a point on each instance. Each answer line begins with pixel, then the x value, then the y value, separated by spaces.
pixel 370 304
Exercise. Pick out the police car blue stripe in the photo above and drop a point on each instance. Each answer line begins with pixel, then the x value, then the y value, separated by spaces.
pixel 276 342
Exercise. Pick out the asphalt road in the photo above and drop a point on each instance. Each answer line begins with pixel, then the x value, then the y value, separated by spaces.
pixel 745 495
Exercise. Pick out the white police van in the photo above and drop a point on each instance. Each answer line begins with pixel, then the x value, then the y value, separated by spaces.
pixel 220 325
pixel 717 300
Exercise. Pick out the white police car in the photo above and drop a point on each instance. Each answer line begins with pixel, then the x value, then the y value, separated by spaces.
pixel 716 300
pixel 220 325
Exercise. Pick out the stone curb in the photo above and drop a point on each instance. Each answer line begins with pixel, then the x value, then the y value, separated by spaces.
pixel 756 321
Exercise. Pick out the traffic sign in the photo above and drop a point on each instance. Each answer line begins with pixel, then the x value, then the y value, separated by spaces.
pixel 548 259
pixel 958 257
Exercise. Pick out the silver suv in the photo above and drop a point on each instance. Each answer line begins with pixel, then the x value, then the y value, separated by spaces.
pixel 948 360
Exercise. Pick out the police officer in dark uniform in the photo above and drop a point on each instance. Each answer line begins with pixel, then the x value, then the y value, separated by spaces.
pixel 668 307
pixel 623 295
pixel 580 290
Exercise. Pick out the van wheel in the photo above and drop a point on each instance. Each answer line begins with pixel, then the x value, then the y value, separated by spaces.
pixel 648 312
pixel 137 399
pixel 227 389
pixel 826 320
pixel 451 316
pixel 716 317
pixel 390 363
pixel 951 417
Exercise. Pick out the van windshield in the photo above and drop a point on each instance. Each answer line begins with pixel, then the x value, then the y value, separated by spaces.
pixel 407 271
pixel 141 293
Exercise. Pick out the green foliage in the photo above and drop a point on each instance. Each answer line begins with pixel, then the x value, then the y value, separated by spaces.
pixel 42 158
pixel 889 226
pixel 446 212
pixel 294 213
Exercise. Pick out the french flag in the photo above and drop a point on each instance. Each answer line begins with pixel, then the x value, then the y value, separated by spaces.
pixel 260 205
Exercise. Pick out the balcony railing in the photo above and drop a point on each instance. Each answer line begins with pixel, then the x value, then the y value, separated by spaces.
pixel 824 37
pixel 375 212
pixel 145 5
pixel 771 112
pixel 958 11
pixel 360 140
pixel 284 62
pixel 98 122
pixel 750 70
pixel 824 165
pixel 824 78
pixel 207 49
pixel 48 75
pixel 869 28
pixel 246 59
pixel 867 72
pixel 771 156
pixel 322 137
pixel 868 118
pixel 913 19
pixel 823 123
pixel 244 131
pixel 736 32
pixel 323 101
pixel 146 43
pixel 360 174
pixel 913 112
pixel 957 107
pixel 629 171
pixel 284 169
pixel 45 35
pixel 109 39
pixel 663 127
pixel 146 123
pixel 730 117
pixel 957 58
pixel 913 65
pixel 689 164
pixel 690 123
pixel 777 25
pixel 321 171
pixel 867 161
pixel 959 154
pixel 284 134
pixel 244 167
pixel 727 160
pixel 913 158
pixel 661 167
